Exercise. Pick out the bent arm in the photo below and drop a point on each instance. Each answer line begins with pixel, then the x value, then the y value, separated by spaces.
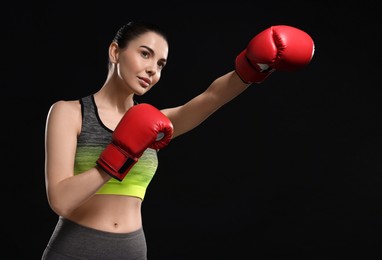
pixel 66 191
pixel 222 90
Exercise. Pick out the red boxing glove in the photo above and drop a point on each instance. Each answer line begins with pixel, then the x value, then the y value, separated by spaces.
pixel 143 126
pixel 279 47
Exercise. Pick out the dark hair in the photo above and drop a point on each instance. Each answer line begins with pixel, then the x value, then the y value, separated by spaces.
pixel 132 30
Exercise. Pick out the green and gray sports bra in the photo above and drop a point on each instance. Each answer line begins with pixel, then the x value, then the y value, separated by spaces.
pixel 93 139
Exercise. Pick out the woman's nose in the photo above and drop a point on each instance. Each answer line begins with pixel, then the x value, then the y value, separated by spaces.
pixel 151 69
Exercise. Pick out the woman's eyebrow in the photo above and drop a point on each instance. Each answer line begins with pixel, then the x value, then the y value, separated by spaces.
pixel 152 52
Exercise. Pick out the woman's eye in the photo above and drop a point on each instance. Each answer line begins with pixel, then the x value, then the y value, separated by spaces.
pixel 145 54
pixel 161 65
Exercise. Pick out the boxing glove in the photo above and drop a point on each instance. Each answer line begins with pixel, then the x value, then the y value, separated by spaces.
pixel 143 126
pixel 279 47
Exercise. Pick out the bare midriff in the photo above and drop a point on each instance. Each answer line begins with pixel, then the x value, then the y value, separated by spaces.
pixel 111 213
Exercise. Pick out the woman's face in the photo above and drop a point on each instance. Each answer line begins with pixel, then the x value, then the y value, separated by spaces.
pixel 140 64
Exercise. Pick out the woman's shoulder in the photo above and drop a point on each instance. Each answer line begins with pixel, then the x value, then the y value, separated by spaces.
pixel 66 104
pixel 66 108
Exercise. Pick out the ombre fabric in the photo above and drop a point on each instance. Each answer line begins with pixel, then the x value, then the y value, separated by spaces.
pixel 93 139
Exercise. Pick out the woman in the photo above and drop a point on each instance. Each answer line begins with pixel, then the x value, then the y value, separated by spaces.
pixel 99 208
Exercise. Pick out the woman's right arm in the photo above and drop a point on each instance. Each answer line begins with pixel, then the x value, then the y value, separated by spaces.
pixel 66 191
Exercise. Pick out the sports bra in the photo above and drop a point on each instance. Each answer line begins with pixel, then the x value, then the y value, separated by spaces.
pixel 93 139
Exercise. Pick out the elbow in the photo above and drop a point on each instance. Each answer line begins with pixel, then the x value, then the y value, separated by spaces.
pixel 60 207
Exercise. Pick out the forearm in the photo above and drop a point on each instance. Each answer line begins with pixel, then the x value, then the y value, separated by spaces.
pixel 198 109
pixel 221 91
pixel 72 192
pixel 224 89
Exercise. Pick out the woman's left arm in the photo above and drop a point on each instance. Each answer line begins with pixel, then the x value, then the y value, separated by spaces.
pixel 191 114
pixel 278 47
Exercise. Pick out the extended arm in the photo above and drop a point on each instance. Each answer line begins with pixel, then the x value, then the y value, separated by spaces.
pixel 276 48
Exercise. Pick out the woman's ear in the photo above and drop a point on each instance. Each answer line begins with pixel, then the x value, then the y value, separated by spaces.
pixel 113 52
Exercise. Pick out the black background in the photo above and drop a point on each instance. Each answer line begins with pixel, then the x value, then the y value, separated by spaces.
pixel 290 169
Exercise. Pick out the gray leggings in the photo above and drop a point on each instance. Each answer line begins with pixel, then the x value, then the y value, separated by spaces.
pixel 72 241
